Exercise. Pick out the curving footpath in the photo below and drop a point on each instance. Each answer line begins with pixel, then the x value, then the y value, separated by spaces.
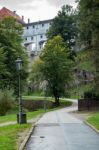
pixel 60 130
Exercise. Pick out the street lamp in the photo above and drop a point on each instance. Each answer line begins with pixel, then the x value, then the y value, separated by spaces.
pixel 21 118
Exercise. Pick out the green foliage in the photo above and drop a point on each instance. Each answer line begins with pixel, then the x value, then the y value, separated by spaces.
pixel 88 24
pixel 10 42
pixel 56 66
pixel 2 65
pixel 64 24
pixel 84 61
pixel 36 74
pixel 88 21
pixel 6 101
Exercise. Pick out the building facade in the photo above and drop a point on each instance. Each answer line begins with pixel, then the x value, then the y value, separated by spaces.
pixel 34 36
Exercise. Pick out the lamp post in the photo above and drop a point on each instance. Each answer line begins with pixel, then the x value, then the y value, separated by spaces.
pixel 21 118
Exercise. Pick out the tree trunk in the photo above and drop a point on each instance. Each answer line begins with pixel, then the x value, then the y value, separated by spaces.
pixel 57 101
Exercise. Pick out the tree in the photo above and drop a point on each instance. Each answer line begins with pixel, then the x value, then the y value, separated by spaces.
pixel 11 42
pixel 56 66
pixel 36 73
pixel 88 23
pixel 64 24
pixel 3 70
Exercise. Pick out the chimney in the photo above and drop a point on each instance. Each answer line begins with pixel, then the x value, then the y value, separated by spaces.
pixel 28 20
pixel 14 12
pixel 22 18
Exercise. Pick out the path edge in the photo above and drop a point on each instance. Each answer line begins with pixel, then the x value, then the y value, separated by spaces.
pixel 22 146
pixel 91 126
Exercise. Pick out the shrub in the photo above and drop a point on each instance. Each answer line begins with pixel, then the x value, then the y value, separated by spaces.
pixel 6 101
pixel 91 95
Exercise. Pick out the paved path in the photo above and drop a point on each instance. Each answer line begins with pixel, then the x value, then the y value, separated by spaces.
pixel 59 130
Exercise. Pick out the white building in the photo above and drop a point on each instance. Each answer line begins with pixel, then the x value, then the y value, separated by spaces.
pixel 35 36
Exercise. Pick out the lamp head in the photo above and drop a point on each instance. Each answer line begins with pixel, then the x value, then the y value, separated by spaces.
pixel 19 63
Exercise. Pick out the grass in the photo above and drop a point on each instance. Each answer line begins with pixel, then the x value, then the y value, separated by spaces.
pixel 9 136
pixel 12 117
pixel 31 97
pixel 94 120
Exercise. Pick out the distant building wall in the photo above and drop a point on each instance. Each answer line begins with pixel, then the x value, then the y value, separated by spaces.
pixel 34 36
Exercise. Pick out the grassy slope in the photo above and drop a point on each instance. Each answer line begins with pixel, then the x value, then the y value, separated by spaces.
pixel 12 117
pixel 94 120
pixel 9 136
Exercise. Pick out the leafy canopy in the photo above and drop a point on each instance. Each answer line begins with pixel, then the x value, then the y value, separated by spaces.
pixel 56 66
pixel 64 24
pixel 11 43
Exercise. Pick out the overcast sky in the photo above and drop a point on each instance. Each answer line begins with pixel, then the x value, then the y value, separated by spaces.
pixel 36 9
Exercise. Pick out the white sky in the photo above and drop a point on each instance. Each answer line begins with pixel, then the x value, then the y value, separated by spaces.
pixel 36 9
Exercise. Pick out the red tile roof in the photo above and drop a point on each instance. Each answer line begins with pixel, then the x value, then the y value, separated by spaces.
pixel 4 12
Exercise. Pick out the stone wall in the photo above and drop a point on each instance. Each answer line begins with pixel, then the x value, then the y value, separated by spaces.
pixel 36 104
pixel 88 104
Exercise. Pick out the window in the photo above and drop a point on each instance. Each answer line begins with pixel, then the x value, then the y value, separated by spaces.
pixel 41 36
pixel 32 38
pixel 27 27
pixel 33 26
pixel 42 25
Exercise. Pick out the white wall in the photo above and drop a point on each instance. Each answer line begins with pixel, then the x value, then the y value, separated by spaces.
pixel 34 33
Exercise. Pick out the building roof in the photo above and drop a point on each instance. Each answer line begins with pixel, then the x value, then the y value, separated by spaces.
pixel 4 12
pixel 38 22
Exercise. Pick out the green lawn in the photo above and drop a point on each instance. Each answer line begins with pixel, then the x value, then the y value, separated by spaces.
pixel 37 98
pixel 94 120
pixel 9 136
pixel 12 117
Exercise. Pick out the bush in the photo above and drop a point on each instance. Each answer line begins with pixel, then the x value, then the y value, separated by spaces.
pixel 6 101
pixel 91 95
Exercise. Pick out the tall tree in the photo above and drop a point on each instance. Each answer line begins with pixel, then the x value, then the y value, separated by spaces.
pixel 10 40
pixel 64 24
pixel 56 66
pixel 2 64
pixel 88 13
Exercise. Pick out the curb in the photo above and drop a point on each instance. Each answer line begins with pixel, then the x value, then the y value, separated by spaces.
pixel 22 146
pixel 91 126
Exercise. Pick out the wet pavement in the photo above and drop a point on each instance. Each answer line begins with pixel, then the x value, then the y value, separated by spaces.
pixel 59 130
